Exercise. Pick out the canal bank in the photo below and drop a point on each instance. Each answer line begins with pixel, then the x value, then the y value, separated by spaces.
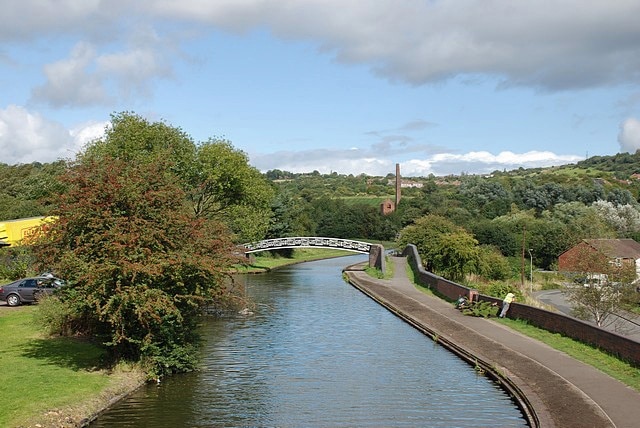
pixel 553 389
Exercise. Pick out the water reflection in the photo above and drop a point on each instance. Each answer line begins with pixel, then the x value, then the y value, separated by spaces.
pixel 318 353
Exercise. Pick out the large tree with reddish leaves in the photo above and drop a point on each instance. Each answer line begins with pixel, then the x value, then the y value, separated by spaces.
pixel 140 263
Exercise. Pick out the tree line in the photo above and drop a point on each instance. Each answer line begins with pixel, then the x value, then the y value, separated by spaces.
pixel 149 220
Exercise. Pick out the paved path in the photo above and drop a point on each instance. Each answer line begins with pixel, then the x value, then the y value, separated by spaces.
pixel 560 391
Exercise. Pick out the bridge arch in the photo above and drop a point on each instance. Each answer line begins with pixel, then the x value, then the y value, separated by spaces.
pixel 375 251
pixel 308 242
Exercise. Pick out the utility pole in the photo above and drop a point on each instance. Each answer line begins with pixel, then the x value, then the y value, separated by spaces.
pixel 524 240
pixel 531 271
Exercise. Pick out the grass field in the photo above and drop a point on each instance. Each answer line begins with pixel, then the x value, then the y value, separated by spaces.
pixel 51 381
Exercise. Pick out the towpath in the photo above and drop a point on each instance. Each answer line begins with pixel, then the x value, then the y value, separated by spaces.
pixel 558 390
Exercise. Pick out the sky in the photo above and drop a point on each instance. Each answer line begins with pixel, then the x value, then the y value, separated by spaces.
pixel 349 86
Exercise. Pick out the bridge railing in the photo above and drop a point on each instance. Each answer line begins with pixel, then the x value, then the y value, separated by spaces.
pixel 308 242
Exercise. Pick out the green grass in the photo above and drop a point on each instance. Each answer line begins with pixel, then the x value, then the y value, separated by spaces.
pixel 377 273
pixel 42 374
pixel 373 201
pixel 603 361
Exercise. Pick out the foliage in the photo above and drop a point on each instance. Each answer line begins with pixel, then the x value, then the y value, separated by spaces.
pixel 223 185
pixel 445 249
pixel 216 178
pixel 290 217
pixel 492 265
pixel 624 219
pixel 26 189
pixel 481 309
pixel 335 218
pixel 500 289
pixel 140 264
pixel 56 316
pixel 374 272
pixel 598 300
pixel 15 262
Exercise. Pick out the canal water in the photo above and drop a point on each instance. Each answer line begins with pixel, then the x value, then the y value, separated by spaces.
pixel 318 353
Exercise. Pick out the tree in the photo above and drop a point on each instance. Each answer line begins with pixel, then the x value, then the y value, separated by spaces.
pixel 223 185
pixel 445 249
pixel 580 221
pixel 132 138
pixel 140 264
pixel 625 219
pixel 25 189
pixel 490 197
pixel 493 265
pixel 217 178
pixel 600 287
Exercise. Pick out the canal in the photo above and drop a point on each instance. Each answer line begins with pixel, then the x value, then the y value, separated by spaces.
pixel 317 353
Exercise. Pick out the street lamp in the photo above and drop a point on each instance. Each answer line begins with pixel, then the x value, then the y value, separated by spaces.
pixel 531 271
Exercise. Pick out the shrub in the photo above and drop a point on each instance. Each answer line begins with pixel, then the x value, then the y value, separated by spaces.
pixel 481 309
pixel 15 262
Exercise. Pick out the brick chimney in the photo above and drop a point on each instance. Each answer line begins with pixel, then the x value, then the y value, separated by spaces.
pixel 398 184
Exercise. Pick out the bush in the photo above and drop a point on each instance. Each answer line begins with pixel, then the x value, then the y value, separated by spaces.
pixel 500 289
pixel 493 265
pixel 481 309
pixel 55 316
pixel 15 262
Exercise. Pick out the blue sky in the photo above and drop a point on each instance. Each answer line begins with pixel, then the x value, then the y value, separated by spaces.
pixel 441 87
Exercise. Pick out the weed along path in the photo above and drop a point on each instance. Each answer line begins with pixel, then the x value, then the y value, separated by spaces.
pixel 553 389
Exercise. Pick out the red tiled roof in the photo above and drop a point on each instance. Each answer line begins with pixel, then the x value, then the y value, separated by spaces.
pixel 616 248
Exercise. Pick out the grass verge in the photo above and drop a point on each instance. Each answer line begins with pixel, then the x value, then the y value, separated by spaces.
pixel 53 382
pixel 378 274
pixel 606 363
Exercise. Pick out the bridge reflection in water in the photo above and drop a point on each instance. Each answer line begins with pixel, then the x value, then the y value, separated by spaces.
pixel 316 352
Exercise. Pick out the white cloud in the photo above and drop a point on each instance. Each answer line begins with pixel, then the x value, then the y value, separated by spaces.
pixel 484 162
pixel 86 133
pixel 629 136
pixel 358 161
pixel 71 82
pixel 26 19
pixel 543 44
pixel 540 44
pixel 88 77
pixel 27 137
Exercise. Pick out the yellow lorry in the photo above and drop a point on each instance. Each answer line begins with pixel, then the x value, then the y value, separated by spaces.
pixel 12 232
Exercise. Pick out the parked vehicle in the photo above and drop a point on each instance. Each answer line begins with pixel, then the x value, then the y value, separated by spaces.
pixel 28 290
pixel 597 280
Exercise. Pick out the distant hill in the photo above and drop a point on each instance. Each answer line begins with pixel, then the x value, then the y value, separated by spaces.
pixel 623 165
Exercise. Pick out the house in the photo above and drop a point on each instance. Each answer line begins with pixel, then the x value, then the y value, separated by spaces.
pixel 600 255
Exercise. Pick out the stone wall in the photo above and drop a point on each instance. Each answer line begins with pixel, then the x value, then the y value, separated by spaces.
pixel 377 257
